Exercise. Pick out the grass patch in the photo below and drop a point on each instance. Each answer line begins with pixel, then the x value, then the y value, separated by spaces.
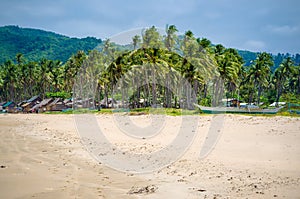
pixel 160 111
pixel 71 111
pixel 137 111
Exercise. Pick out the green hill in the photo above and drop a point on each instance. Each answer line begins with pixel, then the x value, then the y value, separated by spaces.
pixel 35 44
pixel 249 57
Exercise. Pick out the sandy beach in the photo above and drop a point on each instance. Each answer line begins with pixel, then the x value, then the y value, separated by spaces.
pixel 42 156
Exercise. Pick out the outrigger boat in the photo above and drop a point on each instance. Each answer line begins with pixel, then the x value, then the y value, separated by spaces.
pixel 218 110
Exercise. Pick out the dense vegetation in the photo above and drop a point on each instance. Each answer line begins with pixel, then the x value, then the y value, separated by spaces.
pixel 36 44
pixel 209 69
pixel 248 58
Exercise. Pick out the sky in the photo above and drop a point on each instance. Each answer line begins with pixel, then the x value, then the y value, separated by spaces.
pixel 255 25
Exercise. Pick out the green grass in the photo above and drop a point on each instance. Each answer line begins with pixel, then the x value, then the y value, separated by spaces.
pixel 163 111
pixel 160 111
pixel 71 111
pixel 137 111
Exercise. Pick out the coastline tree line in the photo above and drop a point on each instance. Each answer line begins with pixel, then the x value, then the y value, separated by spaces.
pixel 206 67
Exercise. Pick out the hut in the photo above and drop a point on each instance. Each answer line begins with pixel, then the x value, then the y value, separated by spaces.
pixel 30 103
pixel 9 107
pixel 57 105
pixel 42 106
pixel 21 103
pixel 35 99
pixel 107 103
pixel 84 103
pixel 1 105
pixel 68 102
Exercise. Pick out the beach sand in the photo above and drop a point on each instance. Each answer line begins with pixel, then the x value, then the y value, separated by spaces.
pixel 41 156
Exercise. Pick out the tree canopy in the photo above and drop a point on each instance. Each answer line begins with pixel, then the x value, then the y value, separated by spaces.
pixel 202 72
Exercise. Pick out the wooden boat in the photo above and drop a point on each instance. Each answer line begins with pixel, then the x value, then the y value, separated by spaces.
pixel 218 110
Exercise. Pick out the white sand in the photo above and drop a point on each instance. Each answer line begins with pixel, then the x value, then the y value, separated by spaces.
pixel 41 156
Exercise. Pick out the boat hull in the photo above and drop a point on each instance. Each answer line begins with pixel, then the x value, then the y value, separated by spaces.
pixel 222 110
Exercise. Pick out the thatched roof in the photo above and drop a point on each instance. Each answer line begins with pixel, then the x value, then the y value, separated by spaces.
pixel 26 104
pixel 42 103
pixel 46 101
pixel 67 100
pixel 57 100
pixel 109 101
pixel 35 98
pixel 7 104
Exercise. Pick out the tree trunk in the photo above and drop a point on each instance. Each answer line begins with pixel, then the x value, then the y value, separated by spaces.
pixel 298 89
pixel 258 95
pixel 106 95
pixel 147 86
pixel 250 97
pixel 196 87
pixel 112 94
pixel 153 88
pixel 123 91
pixel 168 90
pixel 204 91
pixel 279 91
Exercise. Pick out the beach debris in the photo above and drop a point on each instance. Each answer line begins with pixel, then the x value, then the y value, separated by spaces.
pixel 2 167
pixel 143 190
pixel 198 189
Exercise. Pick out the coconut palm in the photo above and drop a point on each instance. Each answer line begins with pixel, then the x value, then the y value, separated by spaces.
pixel 204 45
pixel 170 41
pixel 229 67
pixel 171 37
pixel 282 75
pixel 260 73
pixel 136 40
pixel 10 80
pixel 71 68
pixel 152 38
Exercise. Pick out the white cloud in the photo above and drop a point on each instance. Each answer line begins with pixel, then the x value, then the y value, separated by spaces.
pixel 284 30
pixel 125 37
pixel 233 23
pixel 255 45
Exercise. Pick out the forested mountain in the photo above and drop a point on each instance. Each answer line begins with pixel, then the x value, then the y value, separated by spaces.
pixel 212 71
pixel 36 44
pixel 249 57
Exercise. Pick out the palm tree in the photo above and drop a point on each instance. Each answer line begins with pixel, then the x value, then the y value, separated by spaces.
pixel 171 37
pixel 71 68
pixel 219 49
pixel 10 80
pixel 229 66
pixel 136 40
pixel 152 38
pixel 170 41
pixel 56 75
pixel 282 75
pixel 260 73
pixel 19 58
pixel 188 34
pixel 44 78
pixel 189 44
pixel 204 45
pixel 29 72
pixel 21 69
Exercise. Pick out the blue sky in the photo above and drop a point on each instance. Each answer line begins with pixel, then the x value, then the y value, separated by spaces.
pixel 256 25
